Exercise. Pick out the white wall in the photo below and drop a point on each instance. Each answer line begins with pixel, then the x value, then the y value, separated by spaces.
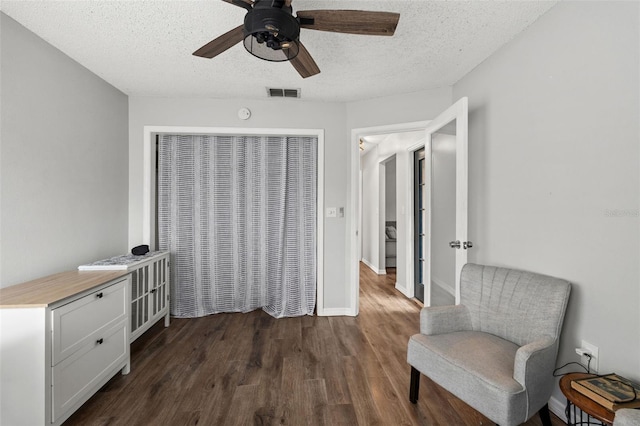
pixel 553 159
pixel 390 190
pixel 63 169
pixel 276 113
pixel 370 227
pixel 336 119
pixel 404 108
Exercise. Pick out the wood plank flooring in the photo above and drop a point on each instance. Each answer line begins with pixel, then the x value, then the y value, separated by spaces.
pixel 251 369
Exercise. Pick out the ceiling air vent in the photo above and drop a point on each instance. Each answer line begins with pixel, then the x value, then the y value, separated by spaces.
pixel 283 93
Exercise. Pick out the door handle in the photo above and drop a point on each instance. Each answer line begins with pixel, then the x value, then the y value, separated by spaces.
pixel 467 245
pixel 454 244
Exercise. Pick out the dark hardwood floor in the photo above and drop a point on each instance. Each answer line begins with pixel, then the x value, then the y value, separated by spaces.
pixel 251 369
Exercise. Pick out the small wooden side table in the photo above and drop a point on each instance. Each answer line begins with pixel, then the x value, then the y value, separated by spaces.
pixel 582 402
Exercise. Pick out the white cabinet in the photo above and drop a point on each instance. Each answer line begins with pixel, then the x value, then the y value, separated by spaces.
pixel 149 293
pixel 149 290
pixel 61 338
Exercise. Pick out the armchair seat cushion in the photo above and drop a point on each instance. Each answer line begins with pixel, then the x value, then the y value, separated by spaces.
pixel 475 366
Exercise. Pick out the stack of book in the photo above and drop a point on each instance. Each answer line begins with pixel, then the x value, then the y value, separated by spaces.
pixel 611 391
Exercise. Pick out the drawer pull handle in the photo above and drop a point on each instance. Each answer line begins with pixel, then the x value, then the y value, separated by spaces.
pixel 99 295
pixel 99 341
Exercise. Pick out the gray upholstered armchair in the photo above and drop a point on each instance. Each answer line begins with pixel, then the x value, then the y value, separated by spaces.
pixel 497 349
pixel 627 417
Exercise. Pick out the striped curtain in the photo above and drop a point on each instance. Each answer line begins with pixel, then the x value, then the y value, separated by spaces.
pixel 238 214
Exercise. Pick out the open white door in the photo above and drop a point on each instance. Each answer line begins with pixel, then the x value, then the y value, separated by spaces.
pixel 445 235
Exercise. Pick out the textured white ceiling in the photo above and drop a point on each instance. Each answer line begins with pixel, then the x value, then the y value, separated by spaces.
pixel 145 47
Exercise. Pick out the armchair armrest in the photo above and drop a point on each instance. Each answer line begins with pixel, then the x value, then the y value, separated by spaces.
pixel 533 369
pixel 444 319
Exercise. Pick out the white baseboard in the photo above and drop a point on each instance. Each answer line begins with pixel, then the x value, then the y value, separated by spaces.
pixel 374 268
pixel 404 291
pixel 446 287
pixel 557 408
pixel 336 312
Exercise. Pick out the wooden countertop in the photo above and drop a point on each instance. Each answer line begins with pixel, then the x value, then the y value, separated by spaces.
pixel 45 291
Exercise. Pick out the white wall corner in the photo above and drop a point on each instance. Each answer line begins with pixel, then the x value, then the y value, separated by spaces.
pixel 443 285
pixel 404 291
pixel 373 267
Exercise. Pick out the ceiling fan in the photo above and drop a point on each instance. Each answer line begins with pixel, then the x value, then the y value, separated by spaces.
pixel 271 32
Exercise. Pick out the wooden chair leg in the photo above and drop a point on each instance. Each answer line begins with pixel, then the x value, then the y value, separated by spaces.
pixel 414 387
pixel 545 418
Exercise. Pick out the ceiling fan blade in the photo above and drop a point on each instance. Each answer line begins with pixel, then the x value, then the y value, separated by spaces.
pixel 350 21
pixel 246 4
pixel 222 43
pixel 304 63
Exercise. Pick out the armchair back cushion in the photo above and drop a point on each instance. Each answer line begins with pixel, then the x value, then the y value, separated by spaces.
pixel 518 306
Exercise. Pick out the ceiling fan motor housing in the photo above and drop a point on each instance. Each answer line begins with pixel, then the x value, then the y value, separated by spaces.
pixel 271 33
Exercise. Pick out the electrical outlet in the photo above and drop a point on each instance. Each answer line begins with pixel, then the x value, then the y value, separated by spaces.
pixel 332 212
pixel 595 356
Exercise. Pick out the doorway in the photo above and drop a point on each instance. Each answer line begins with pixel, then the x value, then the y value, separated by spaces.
pixel 384 228
pixel 456 117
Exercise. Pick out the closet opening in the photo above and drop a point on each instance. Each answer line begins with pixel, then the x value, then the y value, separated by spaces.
pixel 259 140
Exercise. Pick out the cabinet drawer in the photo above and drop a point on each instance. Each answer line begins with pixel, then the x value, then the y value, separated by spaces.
pixel 74 377
pixel 83 320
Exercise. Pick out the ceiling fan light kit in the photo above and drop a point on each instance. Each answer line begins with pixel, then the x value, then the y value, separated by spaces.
pixel 271 32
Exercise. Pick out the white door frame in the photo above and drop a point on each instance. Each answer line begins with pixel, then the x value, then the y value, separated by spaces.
pixel 148 192
pixel 353 272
